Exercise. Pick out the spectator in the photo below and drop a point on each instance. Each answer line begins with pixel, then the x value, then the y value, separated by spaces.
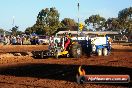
pixel 8 40
pixel 14 40
pixel 5 40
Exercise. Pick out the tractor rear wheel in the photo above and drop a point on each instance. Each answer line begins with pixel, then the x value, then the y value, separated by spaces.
pixel 76 50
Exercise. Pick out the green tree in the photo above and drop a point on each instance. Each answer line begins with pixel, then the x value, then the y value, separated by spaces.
pixel 2 30
pixel 19 32
pixel 125 17
pixel 69 24
pixel 112 24
pixel 96 21
pixel 125 14
pixel 14 30
pixel 47 21
pixel 29 30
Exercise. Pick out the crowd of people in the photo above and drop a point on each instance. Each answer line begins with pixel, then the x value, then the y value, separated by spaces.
pixel 20 40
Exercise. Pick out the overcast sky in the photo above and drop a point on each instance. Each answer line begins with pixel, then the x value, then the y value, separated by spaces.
pixel 24 12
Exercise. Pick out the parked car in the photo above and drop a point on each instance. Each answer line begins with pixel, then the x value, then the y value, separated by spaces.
pixel 43 40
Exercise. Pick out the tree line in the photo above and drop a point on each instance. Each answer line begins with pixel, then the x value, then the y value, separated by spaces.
pixel 48 23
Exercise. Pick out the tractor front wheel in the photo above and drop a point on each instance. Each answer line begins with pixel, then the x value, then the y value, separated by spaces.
pixel 76 50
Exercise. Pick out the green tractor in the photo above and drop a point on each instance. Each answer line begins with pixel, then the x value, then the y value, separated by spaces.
pixel 66 47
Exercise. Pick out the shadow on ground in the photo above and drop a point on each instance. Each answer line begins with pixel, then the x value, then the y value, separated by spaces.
pixel 61 72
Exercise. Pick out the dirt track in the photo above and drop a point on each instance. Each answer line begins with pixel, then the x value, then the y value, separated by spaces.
pixel 20 70
pixel 22 48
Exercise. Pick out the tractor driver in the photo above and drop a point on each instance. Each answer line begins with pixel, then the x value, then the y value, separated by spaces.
pixel 67 42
